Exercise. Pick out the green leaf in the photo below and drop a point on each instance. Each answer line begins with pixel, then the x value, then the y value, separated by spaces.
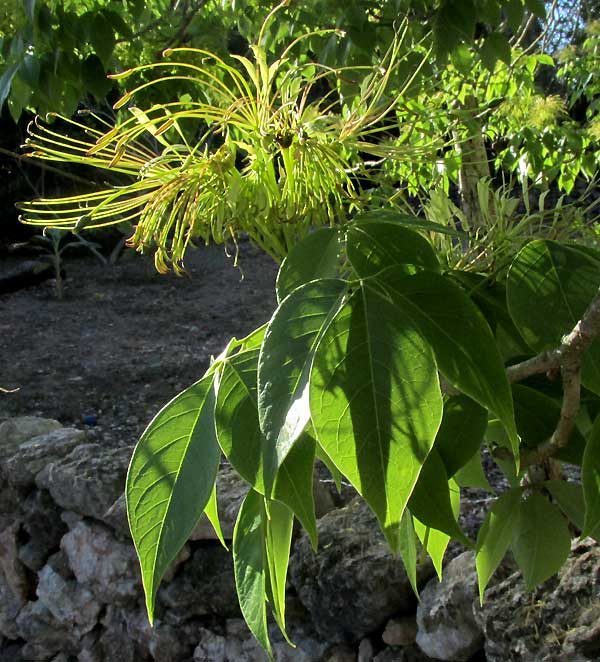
pixel 514 13
pixel 407 548
pixel 536 7
pixel 316 256
pixel 409 222
pixel 541 541
pixel 171 479
pixel 495 47
pixel 336 474
pixel 294 484
pixel 537 415
pixel 461 339
pixel 436 542
pixel 284 366
pixel 236 417
pixel 569 497
pixel 549 288
pixel 279 538
pixel 103 39
pixel 6 81
pixel 212 513
pixel 251 566
pixel 94 77
pixel 430 501
pixel 590 479
pixel 472 475
pixel 461 432
pixel 495 535
pixel 374 245
pixel 490 298
pixel 375 403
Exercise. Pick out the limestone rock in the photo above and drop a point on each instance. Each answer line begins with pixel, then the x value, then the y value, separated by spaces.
pixel 72 605
pixel 163 641
pixel 99 561
pixel 354 575
pixel 211 647
pixel 560 620
pixel 88 480
pixel 400 631
pixel 30 457
pixel 15 431
pixel 10 606
pixel 206 587
pixel 402 654
pixel 42 523
pixel 43 635
pixel 447 629
pixel 10 565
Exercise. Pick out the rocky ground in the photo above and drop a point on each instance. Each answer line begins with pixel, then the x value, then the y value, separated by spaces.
pixel 102 362
pixel 125 339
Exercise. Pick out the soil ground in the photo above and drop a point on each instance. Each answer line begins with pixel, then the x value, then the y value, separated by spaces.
pixel 125 339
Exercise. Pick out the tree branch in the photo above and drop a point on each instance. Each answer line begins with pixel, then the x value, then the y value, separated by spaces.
pixel 566 358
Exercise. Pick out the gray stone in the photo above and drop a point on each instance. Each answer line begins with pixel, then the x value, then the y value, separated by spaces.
pixel 446 626
pixel 72 605
pixel 42 523
pixel 99 561
pixel 30 457
pixel 206 587
pixel 43 635
pixel 15 431
pixel 11 652
pixel 115 643
pixel 10 565
pixel 211 647
pixel 10 606
pixel 341 653
pixel 400 631
pixel 162 641
pixel 401 654
pixel 366 652
pixel 354 584
pixel 88 480
pixel 560 620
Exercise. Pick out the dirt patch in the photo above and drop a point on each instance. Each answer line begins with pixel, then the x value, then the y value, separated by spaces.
pixel 125 339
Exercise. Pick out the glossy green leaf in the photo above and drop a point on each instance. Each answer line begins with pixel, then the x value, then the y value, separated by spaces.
pixel 434 541
pixel 375 402
pixel 537 415
pixel 336 474
pixel 171 479
pixel 461 433
pixel 430 501
pixel 472 475
pixel 541 541
pixel 590 479
pixel 284 366
pixel 460 337
pixel 407 547
pixel 569 497
pixel 212 513
pixel 549 288
pixel 6 82
pixel 294 484
pixel 236 417
pixel 495 535
pixel 374 245
pixel 315 257
pixel 279 527
pixel 409 222
pixel 251 566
